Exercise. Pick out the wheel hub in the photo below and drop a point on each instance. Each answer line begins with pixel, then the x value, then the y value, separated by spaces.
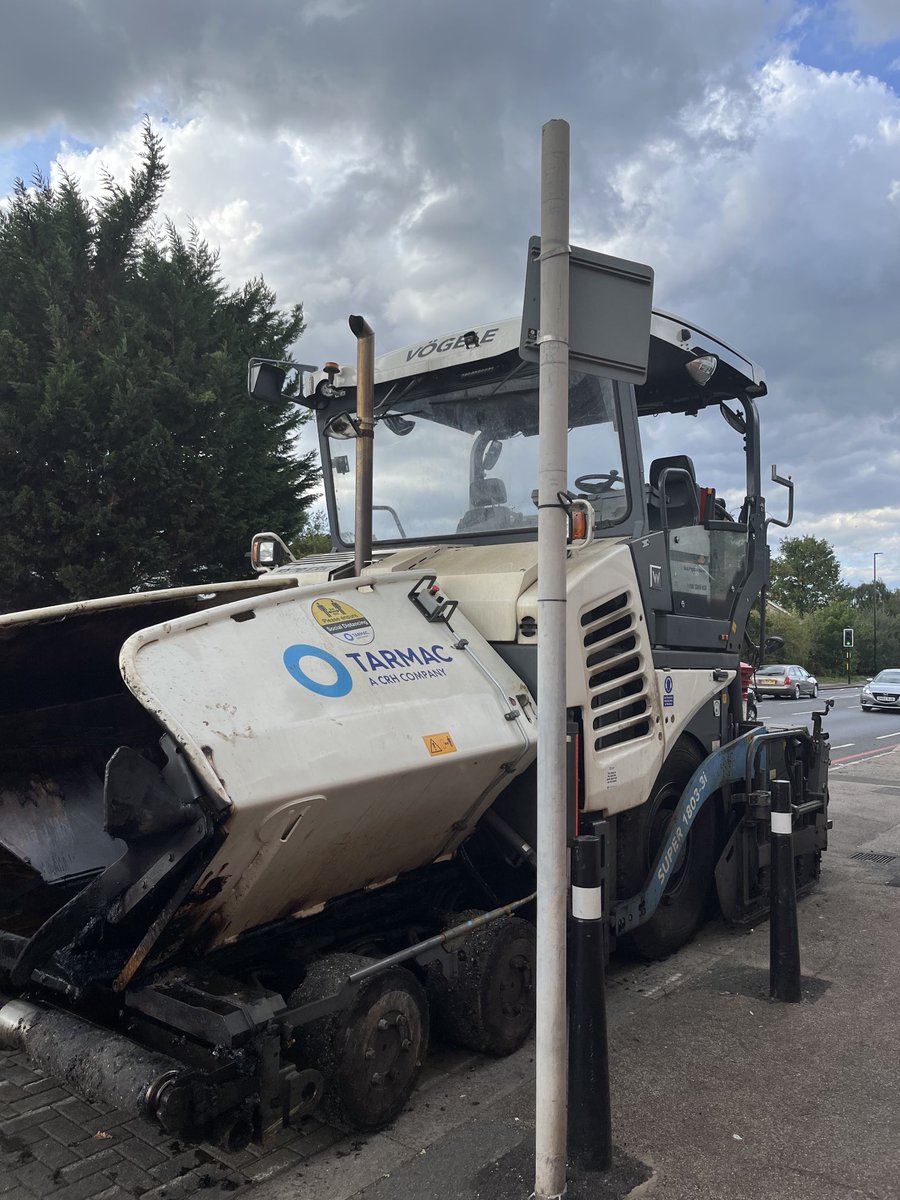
pixel 388 1049
pixel 515 985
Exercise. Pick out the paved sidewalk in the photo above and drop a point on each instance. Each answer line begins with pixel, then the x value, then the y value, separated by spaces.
pixel 716 1092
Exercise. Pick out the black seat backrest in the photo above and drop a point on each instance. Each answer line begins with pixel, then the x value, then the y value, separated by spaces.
pixel 681 501
pixel 488 511
pixel 484 493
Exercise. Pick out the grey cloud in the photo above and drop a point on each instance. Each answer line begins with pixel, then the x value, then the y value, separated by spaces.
pixel 874 20
pixel 430 94
pixel 450 82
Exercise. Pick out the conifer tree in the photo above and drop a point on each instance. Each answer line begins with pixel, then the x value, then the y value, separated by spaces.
pixel 130 455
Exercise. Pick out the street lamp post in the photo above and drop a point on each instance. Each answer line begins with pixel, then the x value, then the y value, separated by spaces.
pixel 874 615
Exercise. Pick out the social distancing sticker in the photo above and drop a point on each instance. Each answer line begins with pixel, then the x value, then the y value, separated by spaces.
pixel 341 621
pixel 439 743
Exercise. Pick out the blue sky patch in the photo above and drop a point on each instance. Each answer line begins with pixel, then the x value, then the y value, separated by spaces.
pixel 826 39
pixel 19 162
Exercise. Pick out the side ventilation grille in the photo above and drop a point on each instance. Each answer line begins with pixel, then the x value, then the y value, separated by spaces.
pixel 617 682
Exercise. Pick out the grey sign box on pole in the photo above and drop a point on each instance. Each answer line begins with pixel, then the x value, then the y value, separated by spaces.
pixel 610 300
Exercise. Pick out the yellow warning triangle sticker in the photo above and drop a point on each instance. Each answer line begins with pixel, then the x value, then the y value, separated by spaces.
pixel 439 743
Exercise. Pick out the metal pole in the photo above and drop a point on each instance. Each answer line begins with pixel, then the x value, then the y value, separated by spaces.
pixel 590 1116
pixel 762 626
pixel 784 936
pixel 874 615
pixel 365 415
pixel 550 1055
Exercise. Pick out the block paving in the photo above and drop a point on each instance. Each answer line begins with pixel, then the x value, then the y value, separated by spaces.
pixel 54 1146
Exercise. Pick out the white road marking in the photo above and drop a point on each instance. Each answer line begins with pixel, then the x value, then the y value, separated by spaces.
pixel 844 746
pixel 658 988
pixel 884 735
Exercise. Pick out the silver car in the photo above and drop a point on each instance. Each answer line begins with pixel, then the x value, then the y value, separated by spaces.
pixel 790 681
pixel 881 692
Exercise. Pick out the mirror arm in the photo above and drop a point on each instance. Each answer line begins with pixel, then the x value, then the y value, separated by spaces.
pixel 751 446
pixel 789 484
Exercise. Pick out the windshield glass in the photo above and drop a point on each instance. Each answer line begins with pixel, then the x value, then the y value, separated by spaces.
pixel 456 453
pixel 772 671
pixel 887 677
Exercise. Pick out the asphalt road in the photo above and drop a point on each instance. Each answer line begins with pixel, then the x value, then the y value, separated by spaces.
pixel 855 735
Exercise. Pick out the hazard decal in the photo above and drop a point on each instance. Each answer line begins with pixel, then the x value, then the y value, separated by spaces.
pixel 342 621
pixel 439 743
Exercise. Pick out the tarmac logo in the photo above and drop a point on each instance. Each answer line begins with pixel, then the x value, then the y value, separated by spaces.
pixel 392 663
pixel 297 655
pixel 342 621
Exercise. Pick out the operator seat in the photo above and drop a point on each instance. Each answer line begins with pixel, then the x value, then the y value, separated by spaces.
pixel 487 507
pixel 681 501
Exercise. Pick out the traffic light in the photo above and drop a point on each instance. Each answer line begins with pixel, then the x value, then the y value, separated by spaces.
pixel 848 639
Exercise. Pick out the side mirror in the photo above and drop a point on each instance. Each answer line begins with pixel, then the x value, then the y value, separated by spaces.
pixel 491 454
pixel 265 382
pixel 266 379
pixel 398 425
pixel 772 644
pixel 735 419
pixel 268 551
pixel 342 427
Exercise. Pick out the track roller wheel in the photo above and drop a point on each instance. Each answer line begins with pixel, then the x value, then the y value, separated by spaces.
pixel 488 1006
pixel 370 1053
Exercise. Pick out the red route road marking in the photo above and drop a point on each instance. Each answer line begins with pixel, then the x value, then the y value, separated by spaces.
pixel 861 754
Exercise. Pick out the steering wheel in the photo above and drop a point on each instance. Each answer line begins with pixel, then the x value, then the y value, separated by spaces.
pixel 598 483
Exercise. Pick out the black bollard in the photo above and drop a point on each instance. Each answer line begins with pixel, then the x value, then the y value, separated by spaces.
pixel 784 937
pixel 590 1121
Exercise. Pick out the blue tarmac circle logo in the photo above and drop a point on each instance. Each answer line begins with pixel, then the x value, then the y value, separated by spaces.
pixel 294 656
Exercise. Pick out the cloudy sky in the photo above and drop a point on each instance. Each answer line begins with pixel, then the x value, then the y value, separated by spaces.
pixel 383 157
